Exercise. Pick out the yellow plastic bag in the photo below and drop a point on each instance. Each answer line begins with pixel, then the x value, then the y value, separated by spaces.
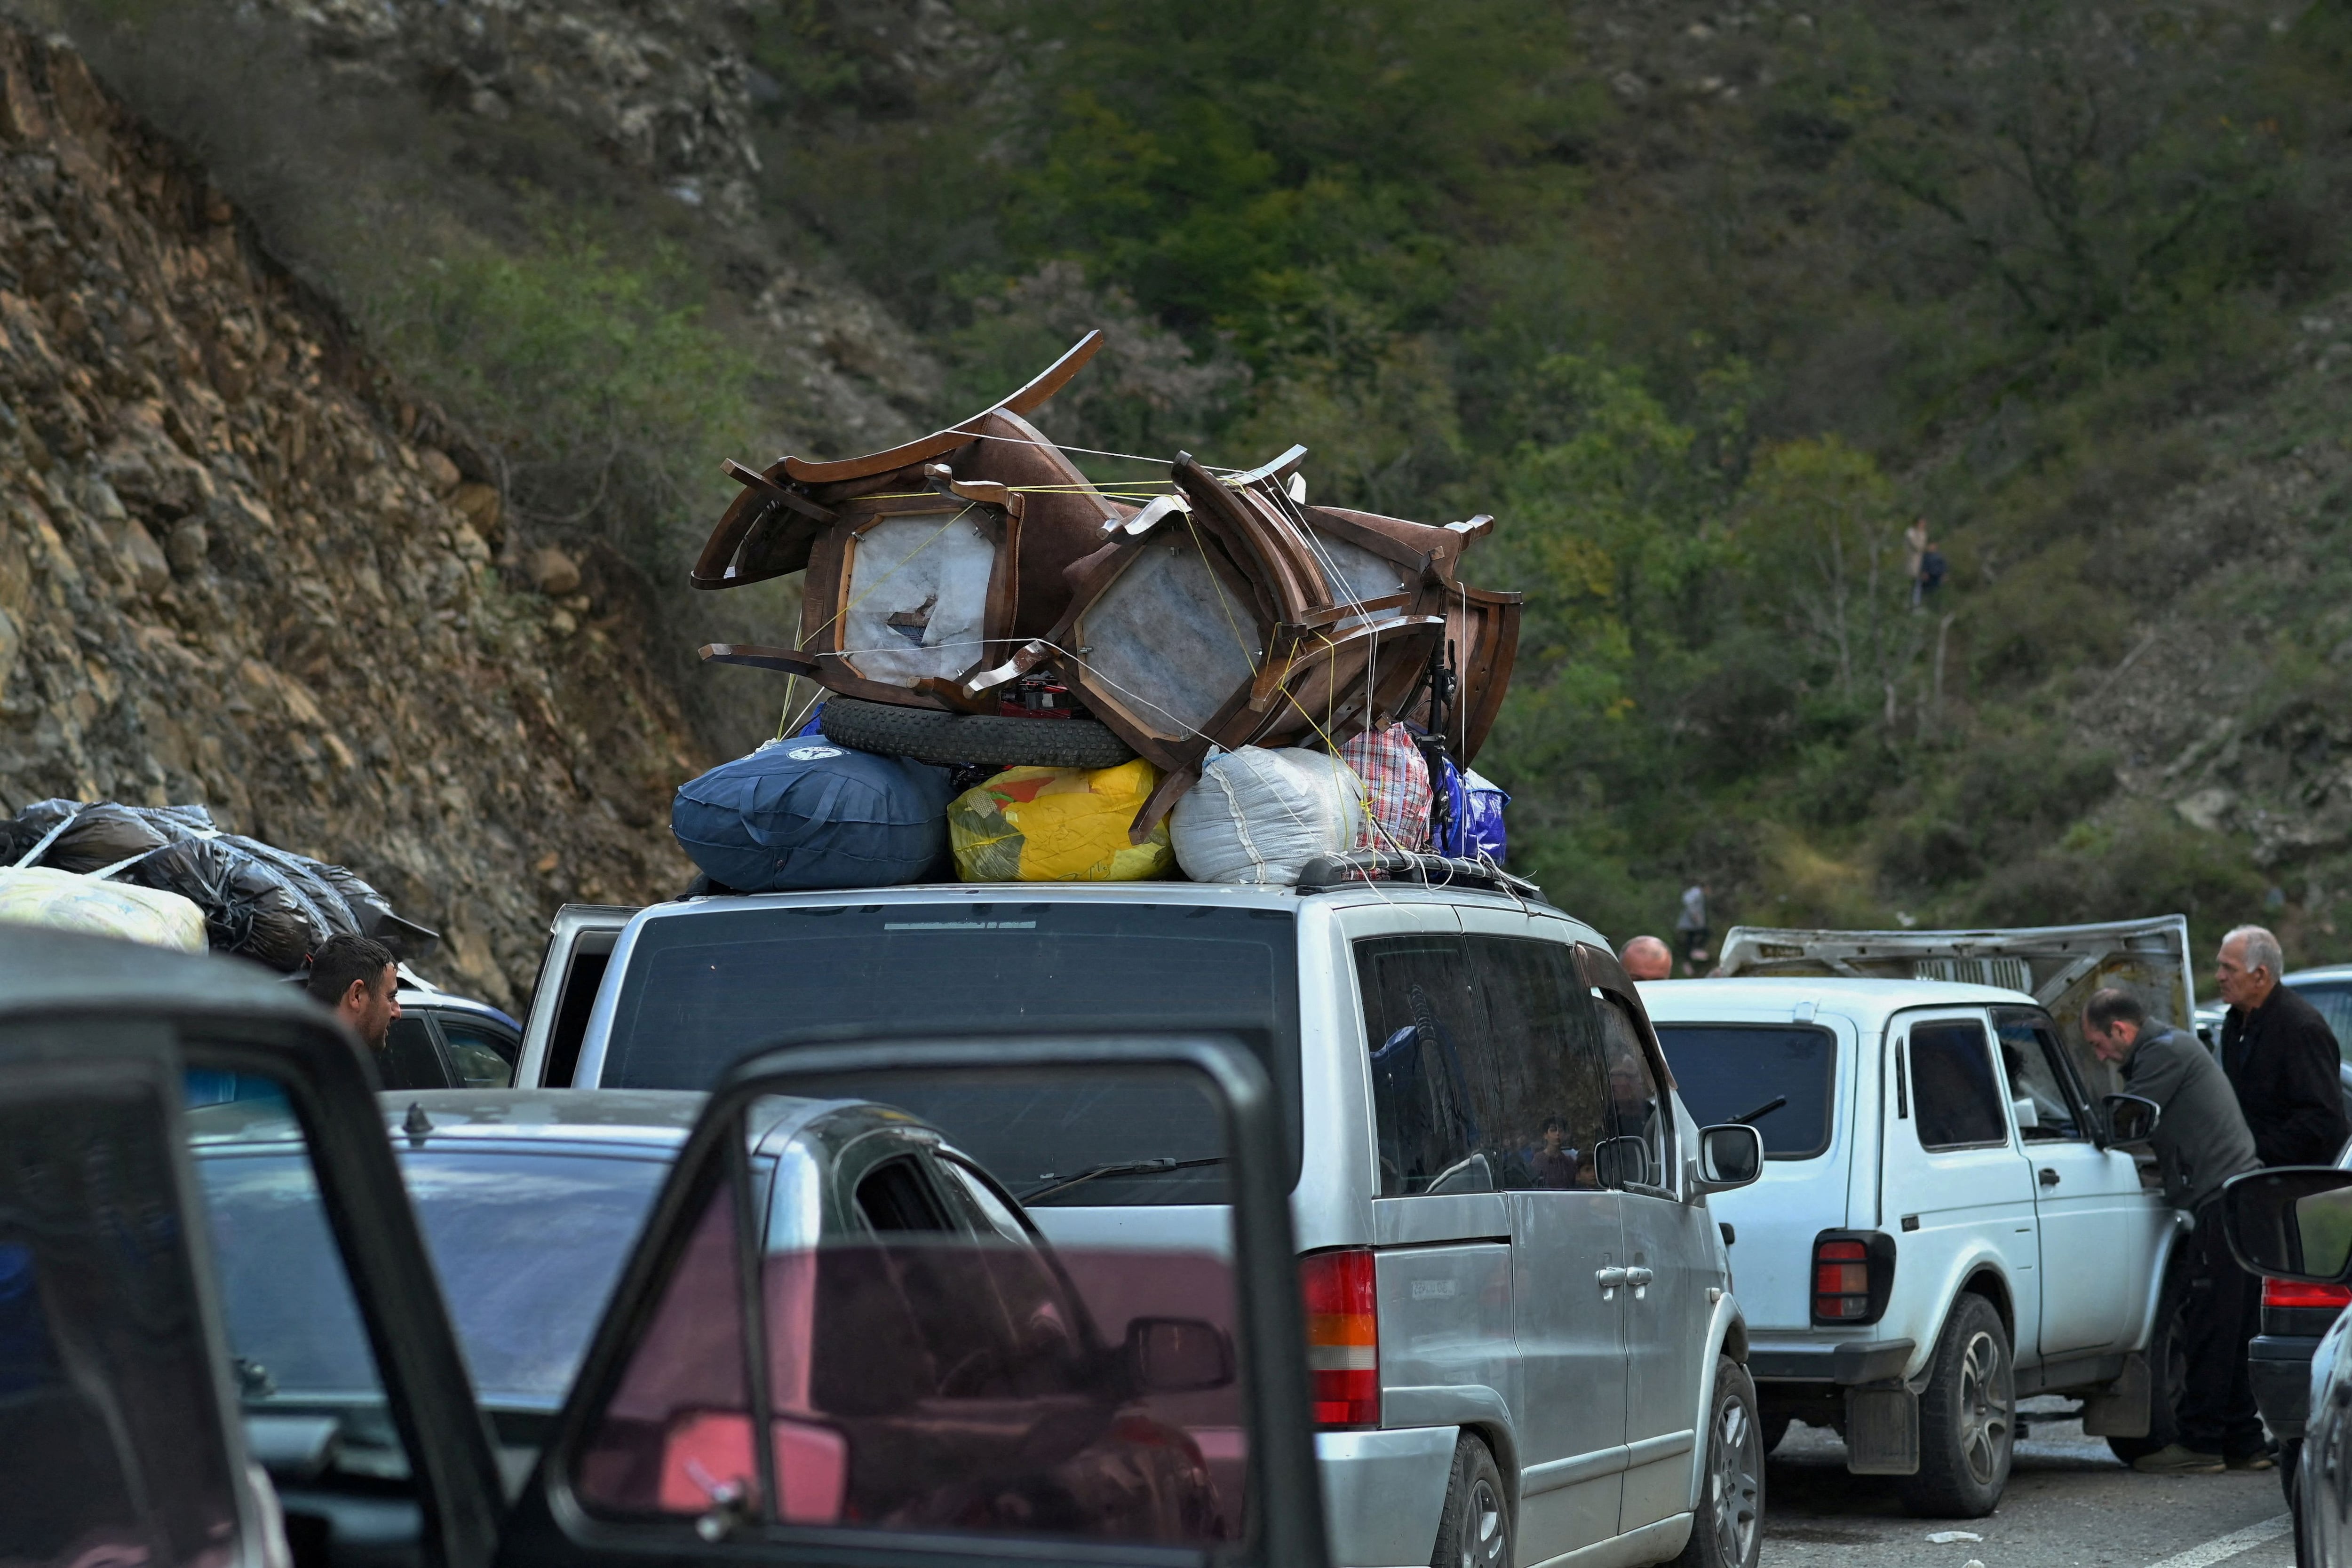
pixel 63 901
pixel 1057 824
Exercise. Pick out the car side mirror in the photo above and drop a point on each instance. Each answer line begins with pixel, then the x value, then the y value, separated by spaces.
pixel 1178 1355
pixel 1617 1161
pixel 2131 1120
pixel 2291 1223
pixel 1729 1155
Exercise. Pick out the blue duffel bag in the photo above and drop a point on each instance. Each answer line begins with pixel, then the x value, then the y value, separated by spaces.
pixel 804 813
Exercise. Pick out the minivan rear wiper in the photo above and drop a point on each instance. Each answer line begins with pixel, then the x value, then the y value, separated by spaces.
pixel 1053 1183
pixel 1762 1112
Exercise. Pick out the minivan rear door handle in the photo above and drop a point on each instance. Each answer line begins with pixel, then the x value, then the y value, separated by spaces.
pixel 1608 1278
pixel 1637 1278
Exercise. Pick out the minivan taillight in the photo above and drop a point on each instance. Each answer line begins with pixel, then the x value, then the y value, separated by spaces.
pixel 2294 1293
pixel 1854 1274
pixel 1343 1336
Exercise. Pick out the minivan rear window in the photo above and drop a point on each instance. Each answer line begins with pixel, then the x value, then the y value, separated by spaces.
pixel 1729 1072
pixel 704 990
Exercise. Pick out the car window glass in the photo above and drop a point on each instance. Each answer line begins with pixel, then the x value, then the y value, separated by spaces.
pixel 953 1378
pixel 983 1210
pixel 300 1347
pixel 1537 1072
pixel 894 1195
pixel 1082 1145
pixel 482 1057
pixel 1419 1012
pixel 409 1059
pixel 528 1244
pixel 108 1419
pixel 1637 1108
pixel 1955 1096
pixel 2334 1005
pixel 1484 1064
pixel 2033 1058
pixel 674 1435
pixel 1727 1073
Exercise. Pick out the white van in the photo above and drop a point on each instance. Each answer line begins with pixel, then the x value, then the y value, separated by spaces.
pixel 1524 1340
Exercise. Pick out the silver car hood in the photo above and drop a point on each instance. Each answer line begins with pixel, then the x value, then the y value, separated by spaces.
pixel 2058 965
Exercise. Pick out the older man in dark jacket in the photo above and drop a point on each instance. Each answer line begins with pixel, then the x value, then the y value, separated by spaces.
pixel 2280 1055
pixel 2201 1142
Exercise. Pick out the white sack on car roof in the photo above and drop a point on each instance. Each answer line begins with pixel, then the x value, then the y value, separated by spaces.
pixel 1259 816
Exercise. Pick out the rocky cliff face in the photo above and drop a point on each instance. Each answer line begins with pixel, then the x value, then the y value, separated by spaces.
pixel 663 91
pixel 235 568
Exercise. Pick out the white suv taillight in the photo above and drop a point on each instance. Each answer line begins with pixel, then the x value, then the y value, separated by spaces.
pixel 1853 1273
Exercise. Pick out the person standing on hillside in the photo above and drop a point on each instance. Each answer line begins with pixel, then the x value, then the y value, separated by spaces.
pixel 1647 959
pixel 1915 552
pixel 2201 1142
pixel 1690 926
pixel 2280 1054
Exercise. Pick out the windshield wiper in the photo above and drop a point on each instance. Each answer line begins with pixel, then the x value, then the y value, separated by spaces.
pixel 1053 1184
pixel 1762 1112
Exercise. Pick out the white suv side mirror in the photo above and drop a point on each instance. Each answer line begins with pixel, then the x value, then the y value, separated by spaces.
pixel 1730 1154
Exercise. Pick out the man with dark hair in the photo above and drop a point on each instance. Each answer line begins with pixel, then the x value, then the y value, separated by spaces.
pixel 2280 1054
pixel 358 977
pixel 2201 1142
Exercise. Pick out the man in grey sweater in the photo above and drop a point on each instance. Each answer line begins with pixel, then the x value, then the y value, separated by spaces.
pixel 2201 1142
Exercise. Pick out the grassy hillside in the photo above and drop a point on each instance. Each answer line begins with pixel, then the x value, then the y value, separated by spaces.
pixel 1705 303
pixel 1708 305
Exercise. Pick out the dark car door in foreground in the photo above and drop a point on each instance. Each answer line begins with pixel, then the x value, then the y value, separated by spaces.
pixel 1002 1403
pixel 2294 1223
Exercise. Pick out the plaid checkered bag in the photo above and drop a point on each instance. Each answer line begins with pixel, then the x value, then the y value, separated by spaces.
pixel 1396 787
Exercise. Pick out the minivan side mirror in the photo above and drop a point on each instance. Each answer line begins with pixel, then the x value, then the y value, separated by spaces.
pixel 1618 1160
pixel 1729 1155
pixel 2131 1120
pixel 1178 1355
pixel 2291 1223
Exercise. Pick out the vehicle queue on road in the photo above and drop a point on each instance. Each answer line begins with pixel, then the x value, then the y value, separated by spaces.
pixel 1572 1252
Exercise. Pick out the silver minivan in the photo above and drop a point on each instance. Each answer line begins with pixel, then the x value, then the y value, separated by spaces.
pixel 1524 1343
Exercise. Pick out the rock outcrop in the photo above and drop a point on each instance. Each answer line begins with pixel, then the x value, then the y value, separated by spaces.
pixel 237 568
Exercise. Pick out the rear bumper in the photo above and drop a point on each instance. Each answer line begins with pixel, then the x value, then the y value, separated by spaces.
pixel 2279 1366
pixel 1851 1362
pixel 1383 1492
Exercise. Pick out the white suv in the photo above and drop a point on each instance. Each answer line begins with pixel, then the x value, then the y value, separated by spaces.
pixel 1942 1226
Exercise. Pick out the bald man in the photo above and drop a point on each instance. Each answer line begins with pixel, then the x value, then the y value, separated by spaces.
pixel 1647 959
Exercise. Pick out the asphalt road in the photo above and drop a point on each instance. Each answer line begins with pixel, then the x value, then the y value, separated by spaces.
pixel 2069 1502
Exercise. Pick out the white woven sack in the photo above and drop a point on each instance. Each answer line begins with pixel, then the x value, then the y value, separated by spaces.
pixel 1259 816
pixel 64 901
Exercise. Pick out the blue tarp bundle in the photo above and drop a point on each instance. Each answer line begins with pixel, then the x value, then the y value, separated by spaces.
pixel 806 813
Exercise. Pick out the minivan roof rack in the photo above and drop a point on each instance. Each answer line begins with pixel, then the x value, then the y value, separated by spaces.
pixel 1328 873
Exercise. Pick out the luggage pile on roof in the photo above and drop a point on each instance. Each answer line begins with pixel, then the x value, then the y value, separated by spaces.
pixel 973 598
pixel 167 876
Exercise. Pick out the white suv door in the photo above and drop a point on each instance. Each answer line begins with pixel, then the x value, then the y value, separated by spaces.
pixel 1954 1177
pixel 2098 1225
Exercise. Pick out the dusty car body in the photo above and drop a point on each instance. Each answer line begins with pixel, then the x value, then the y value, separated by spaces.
pixel 133 1427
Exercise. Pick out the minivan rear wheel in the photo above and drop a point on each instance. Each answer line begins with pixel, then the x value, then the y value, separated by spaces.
pixel 1475 1531
pixel 1727 1530
pixel 1967 1418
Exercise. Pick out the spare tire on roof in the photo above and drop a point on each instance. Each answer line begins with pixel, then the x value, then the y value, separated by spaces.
pixel 947 738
